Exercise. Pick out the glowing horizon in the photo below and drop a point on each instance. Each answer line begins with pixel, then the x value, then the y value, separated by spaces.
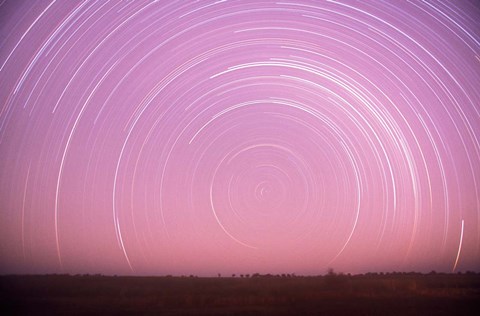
pixel 155 138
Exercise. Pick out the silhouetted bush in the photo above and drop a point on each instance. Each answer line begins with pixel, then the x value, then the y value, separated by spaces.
pixel 335 281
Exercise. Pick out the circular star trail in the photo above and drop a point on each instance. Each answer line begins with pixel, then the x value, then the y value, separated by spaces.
pixel 181 137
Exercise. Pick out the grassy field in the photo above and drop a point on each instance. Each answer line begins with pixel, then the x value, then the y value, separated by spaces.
pixel 333 294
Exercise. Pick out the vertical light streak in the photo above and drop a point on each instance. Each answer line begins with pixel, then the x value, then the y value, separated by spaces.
pixel 459 248
pixel 23 211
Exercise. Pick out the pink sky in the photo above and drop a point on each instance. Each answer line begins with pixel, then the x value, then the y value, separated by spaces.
pixel 153 138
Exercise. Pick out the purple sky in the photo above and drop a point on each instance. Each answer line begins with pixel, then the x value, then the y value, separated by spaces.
pixel 178 137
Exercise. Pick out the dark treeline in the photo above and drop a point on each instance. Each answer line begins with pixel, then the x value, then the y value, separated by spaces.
pixel 396 293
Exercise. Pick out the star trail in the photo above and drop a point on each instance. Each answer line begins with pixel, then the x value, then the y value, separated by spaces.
pixel 205 137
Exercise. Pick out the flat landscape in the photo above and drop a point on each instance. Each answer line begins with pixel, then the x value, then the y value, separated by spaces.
pixel 332 294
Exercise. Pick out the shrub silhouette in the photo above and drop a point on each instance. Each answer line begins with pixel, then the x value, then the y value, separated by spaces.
pixel 335 281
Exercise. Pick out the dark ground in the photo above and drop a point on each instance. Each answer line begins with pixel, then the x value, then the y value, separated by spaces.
pixel 370 294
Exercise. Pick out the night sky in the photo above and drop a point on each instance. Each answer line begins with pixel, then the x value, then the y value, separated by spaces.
pixel 182 137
